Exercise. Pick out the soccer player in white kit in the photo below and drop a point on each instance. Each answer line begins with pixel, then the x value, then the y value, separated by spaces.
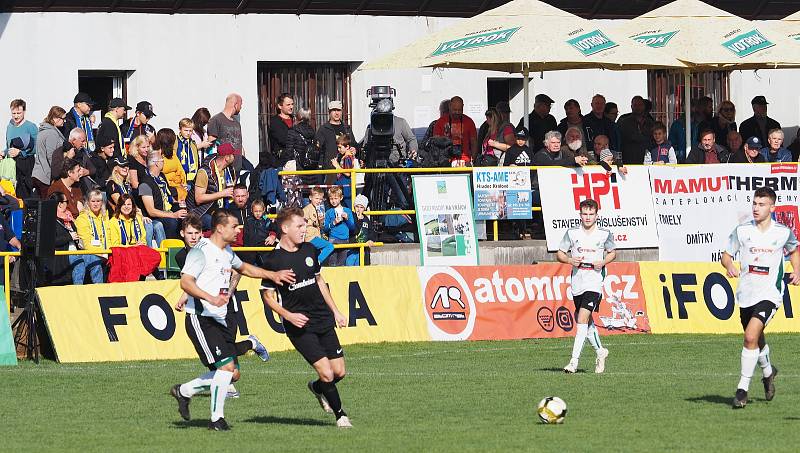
pixel 761 244
pixel 588 249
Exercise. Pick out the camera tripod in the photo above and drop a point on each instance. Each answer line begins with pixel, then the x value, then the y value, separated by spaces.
pixel 25 326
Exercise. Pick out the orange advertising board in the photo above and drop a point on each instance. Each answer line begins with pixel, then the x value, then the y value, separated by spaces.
pixel 511 302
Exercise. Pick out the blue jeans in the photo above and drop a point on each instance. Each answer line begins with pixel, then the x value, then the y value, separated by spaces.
pixel 170 227
pixel 154 230
pixel 82 263
pixel 325 248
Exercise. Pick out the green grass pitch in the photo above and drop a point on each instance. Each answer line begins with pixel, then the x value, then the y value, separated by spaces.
pixel 660 393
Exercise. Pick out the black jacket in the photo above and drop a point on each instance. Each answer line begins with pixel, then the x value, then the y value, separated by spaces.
pixel 102 169
pixel 326 140
pixel 750 128
pixel 59 271
pixel 108 129
pixel 538 126
pixel 278 136
pixel 698 156
pixel 563 158
pixel 593 126
pixel 739 158
pixel 305 151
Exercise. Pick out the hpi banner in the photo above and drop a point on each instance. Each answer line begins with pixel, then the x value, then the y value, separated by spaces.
pixel 625 204
pixel 697 207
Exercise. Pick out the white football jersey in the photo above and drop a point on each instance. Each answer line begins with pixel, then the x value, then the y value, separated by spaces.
pixel 591 247
pixel 761 258
pixel 211 266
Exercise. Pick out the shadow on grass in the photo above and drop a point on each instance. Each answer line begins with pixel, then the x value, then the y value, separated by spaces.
pixel 191 424
pixel 271 420
pixel 560 370
pixel 791 418
pixel 718 399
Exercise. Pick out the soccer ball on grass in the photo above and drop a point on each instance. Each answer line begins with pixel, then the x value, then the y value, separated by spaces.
pixel 552 410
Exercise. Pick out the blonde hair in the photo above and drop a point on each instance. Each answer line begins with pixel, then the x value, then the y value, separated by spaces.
pixel 186 122
pixel 318 190
pixel 95 193
pixel 133 148
pixel 335 191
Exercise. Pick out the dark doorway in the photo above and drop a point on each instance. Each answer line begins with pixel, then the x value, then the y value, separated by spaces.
pixel 101 86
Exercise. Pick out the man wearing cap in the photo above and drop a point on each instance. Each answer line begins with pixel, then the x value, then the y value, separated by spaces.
pixel 78 116
pixel 138 124
pixel 326 137
pixel 519 154
pixel 595 122
pixel 213 185
pixel 750 154
pixel 109 127
pixel 103 160
pixel 759 124
pixel 540 121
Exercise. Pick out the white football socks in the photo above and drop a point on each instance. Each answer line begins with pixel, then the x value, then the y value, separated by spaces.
pixel 219 390
pixel 763 361
pixel 198 385
pixel 593 336
pixel 749 360
pixel 580 338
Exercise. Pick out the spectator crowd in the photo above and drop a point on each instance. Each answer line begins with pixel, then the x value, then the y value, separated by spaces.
pixel 118 181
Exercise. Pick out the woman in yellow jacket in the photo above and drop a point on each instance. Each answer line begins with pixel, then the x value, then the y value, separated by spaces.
pixel 93 228
pixel 127 225
pixel 173 169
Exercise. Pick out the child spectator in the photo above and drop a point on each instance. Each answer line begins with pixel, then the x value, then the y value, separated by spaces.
pixel 364 232
pixel 345 159
pixel 191 232
pixel 662 151
pixel 314 213
pixel 338 225
pixel 259 231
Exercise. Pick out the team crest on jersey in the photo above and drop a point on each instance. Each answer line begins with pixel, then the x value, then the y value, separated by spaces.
pixel 309 261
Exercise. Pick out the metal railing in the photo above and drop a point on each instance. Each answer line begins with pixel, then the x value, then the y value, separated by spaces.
pixel 162 250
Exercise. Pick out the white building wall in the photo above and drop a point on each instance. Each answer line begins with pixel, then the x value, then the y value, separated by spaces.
pixel 182 62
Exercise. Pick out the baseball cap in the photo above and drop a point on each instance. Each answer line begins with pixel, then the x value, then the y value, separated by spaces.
pixel 754 142
pixel 521 133
pixel 544 98
pixel 503 107
pixel 361 200
pixel 121 162
pixel 226 149
pixel 335 105
pixel 118 102
pixel 104 141
pixel 146 108
pixel 759 100
pixel 82 97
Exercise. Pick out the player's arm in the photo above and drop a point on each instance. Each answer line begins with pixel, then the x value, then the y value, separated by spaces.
pixel 794 258
pixel 181 302
pixel 611 253
pixel 341 321
pixel 297 319
pixel 279 277
pixel 730 250
pixel 189 286
pixel 563 249
pixel 727 263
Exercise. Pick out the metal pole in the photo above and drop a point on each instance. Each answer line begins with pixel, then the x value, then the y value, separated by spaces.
pixel 687 108
pixel 525 102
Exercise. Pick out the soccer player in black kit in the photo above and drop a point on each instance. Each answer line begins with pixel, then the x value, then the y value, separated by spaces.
pixel 308 311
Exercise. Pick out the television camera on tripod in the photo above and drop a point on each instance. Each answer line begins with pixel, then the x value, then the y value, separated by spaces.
pixel 386 191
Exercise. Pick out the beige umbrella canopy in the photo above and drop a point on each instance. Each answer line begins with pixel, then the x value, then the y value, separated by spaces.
pixel 790 26
pixel 523 36
pixel 708 38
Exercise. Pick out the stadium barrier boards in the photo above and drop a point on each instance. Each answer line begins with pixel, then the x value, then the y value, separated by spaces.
pixel 135 321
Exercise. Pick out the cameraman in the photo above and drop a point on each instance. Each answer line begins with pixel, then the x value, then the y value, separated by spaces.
pixel 460 129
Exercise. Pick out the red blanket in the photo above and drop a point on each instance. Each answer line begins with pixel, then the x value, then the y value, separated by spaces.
pixel 127 264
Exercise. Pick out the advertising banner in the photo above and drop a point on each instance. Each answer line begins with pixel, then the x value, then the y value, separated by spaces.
pixel 502 193
pixel 513 302
pixel 698 207
pixel 136 321
pixel 445 222
pixel 625 204
pixel 698 298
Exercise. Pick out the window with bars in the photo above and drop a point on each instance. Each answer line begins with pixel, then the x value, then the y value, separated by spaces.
pixel 666 89
pixel 312 85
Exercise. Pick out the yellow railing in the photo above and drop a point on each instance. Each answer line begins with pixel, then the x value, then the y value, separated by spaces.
pixel 7 264
pixel 354 171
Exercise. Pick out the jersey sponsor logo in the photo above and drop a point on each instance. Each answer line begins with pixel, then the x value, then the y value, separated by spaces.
pixel 755 250
pixel 585 265
pixel 758 270
pixel 301 284
pixel 585 250
pixel 309 261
